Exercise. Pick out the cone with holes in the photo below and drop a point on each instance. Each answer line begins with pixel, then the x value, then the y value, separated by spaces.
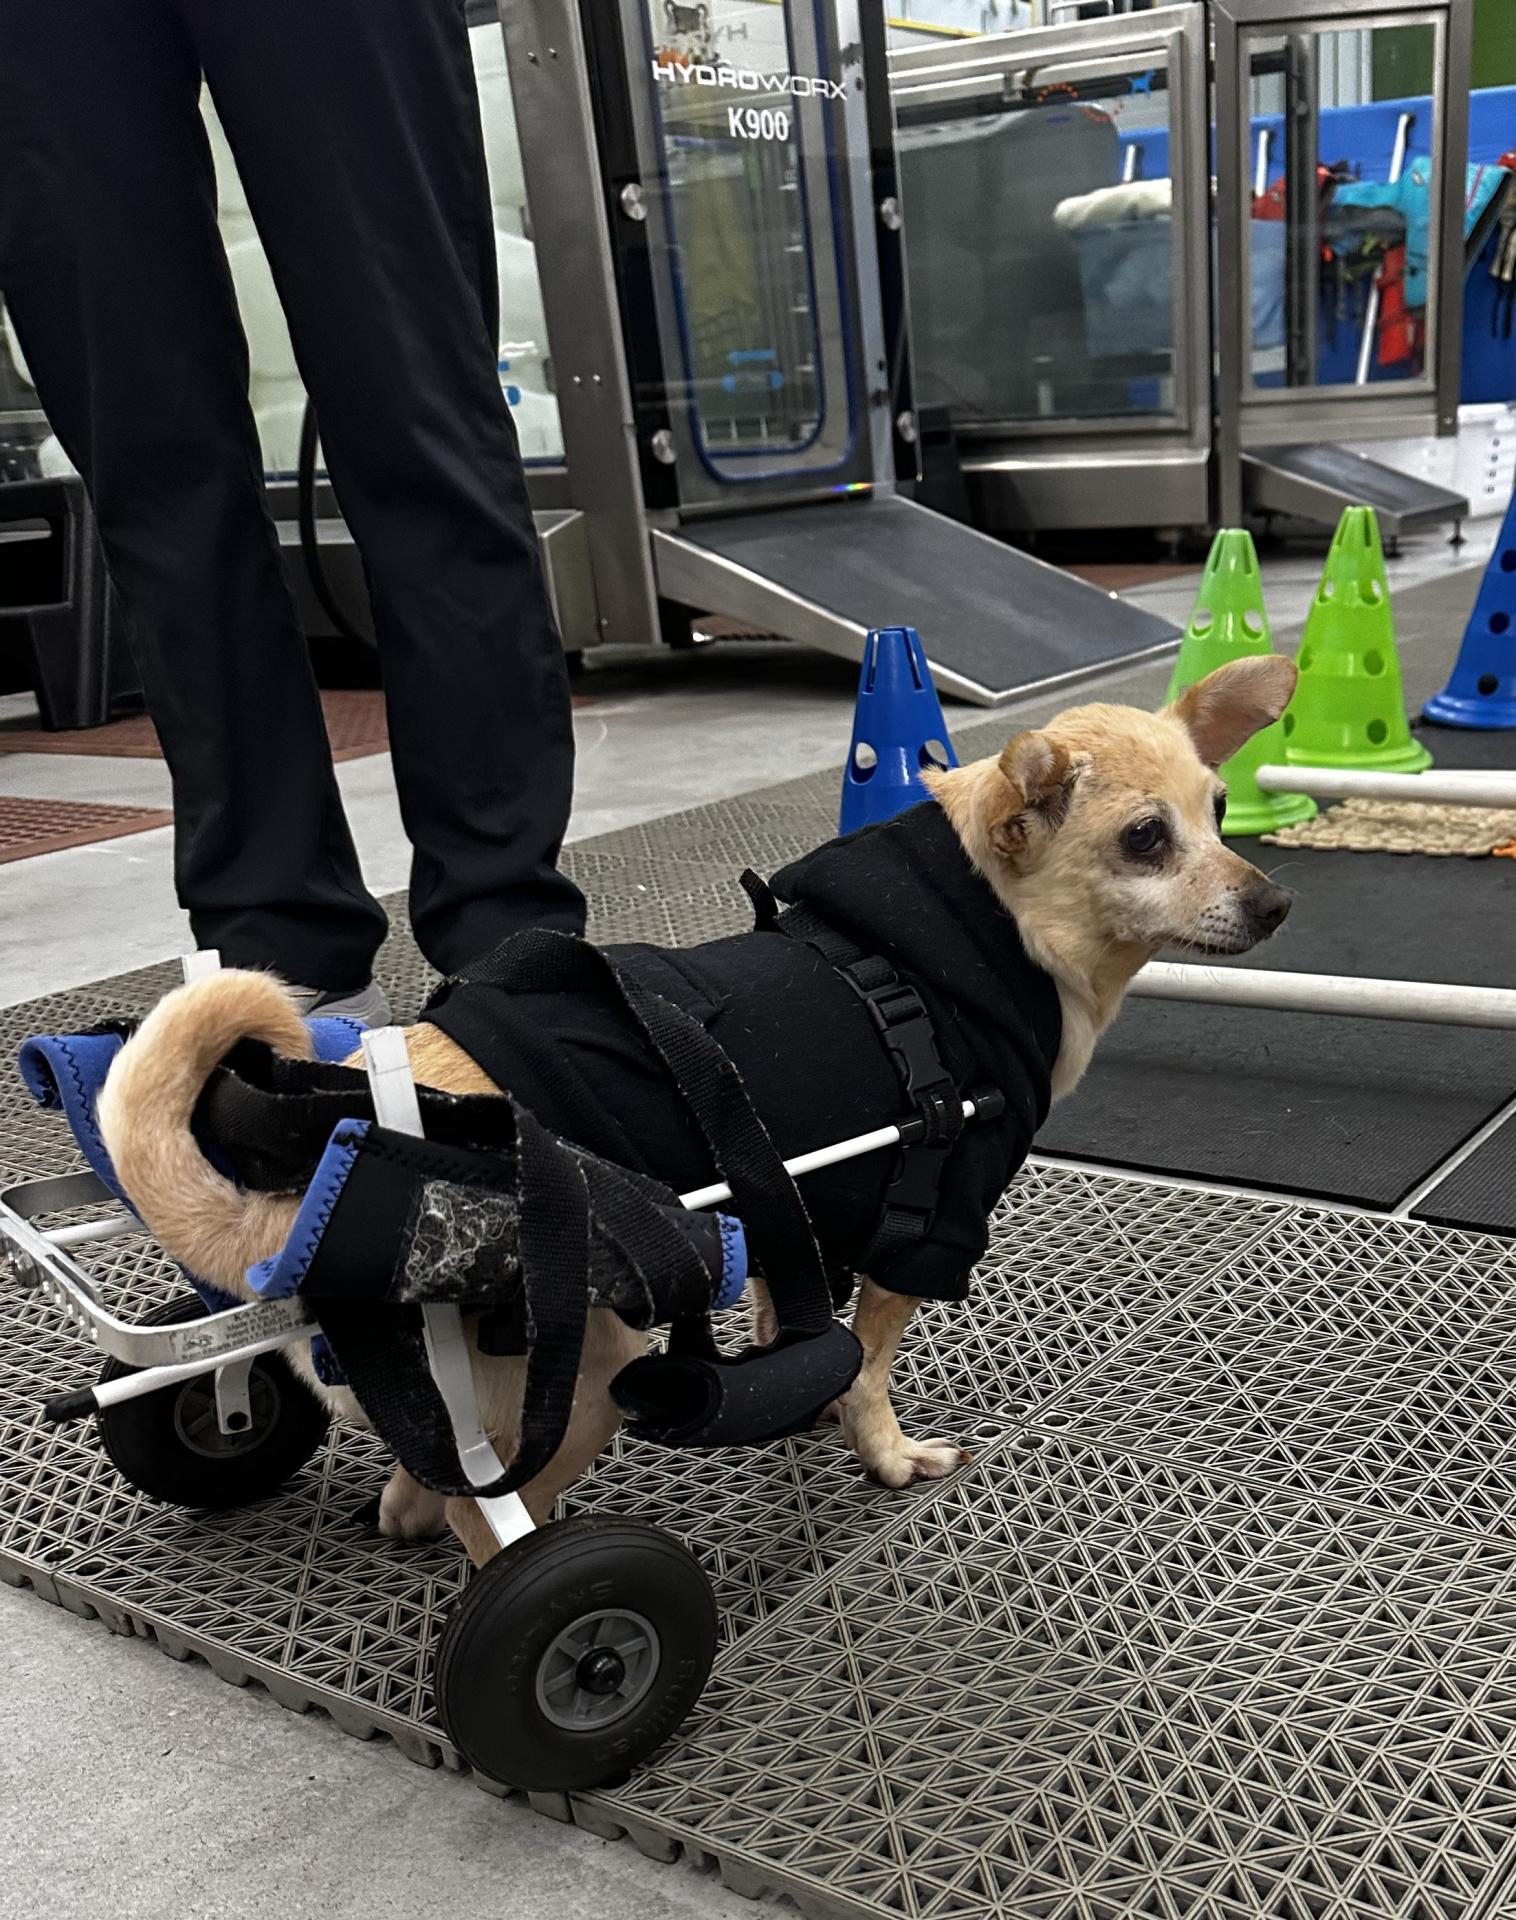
pixel 1349 709
pixel 898 730
pixel 1228 622
pixel 1482 691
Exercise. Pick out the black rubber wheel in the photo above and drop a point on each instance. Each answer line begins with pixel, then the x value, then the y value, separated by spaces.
pixel 168 1445
pixel 574 1654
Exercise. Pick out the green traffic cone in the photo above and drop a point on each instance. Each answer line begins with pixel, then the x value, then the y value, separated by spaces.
pixel 1229 622
pixel 1349 709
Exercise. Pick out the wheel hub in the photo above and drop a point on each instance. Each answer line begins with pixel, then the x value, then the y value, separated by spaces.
pixel 597 1669
pixel 196 1425
pixel 601 1671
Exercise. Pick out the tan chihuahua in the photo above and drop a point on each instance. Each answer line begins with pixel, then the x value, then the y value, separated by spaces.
pixel 1099 833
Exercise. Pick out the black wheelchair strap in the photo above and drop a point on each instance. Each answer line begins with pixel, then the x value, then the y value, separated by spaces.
pixel 555 1250
pixel 272 1117
pixel 561 1197
pixel 764 1195
pixel 906 1032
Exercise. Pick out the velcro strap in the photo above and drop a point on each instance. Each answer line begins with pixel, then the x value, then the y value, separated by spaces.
pixel 693 1400
pixel 270 1118
pixel 394 1221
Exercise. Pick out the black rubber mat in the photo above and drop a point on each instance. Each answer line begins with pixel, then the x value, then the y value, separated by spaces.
pixel 1002 620
pixel 1481 1191
pixel 1356 1110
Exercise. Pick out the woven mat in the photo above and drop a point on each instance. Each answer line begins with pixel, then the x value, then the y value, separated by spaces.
pixel 1404 826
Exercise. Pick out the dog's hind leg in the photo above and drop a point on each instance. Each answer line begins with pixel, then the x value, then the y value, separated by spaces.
pixel 609 1345
pixel 869 1421
pixel 765 1320
pixel 409 1511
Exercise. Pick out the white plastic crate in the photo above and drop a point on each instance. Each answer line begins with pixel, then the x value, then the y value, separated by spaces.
pixel 1479 462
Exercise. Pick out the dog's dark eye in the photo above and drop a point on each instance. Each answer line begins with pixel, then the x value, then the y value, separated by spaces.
pixel 1220 806
pixel 1144 839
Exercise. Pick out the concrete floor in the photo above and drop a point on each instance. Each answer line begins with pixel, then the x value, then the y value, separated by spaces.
pixel 133 1785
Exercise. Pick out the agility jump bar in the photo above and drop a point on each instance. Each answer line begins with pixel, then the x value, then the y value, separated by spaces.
pixel 1433 1003
pixel 1440 787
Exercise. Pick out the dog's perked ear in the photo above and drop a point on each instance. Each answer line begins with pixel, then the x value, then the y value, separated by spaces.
pixel 1039 780
pixel 1223 711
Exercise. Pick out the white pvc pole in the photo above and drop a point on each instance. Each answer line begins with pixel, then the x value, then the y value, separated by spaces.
pixel 840 1150
pixel 1371 317
pixel 1450 788
pixel 1433 1002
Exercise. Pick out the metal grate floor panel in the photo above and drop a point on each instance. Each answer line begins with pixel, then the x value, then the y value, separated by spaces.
pixel 1219 1625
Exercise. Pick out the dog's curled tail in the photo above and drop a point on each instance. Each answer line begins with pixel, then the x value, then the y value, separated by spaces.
pixel 201 1218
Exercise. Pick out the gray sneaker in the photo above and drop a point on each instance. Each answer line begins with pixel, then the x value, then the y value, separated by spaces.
pixel 369 1005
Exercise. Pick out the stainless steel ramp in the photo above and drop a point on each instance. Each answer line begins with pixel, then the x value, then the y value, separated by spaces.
pixel 996 623
pixel 1318 480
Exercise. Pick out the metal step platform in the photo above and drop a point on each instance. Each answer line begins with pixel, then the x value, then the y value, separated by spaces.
pixel 997 624
pixel 1317 481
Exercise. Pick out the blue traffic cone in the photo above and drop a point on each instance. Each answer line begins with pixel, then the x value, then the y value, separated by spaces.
pixel 898 730
pixel 1482 691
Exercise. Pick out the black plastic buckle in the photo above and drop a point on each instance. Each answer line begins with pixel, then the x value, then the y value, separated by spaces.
pixel 905 1026
pixel 916 1185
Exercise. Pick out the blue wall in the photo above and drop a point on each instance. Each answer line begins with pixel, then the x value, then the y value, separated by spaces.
pixel 1365 137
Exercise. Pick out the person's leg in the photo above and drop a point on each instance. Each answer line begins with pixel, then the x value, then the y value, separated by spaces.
pixel 356 129
pixel 112 268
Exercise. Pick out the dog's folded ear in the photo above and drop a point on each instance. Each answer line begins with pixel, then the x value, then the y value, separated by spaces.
pixel 1039 778
pixel 1225 709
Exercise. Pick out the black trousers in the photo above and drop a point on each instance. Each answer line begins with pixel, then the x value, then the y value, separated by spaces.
pixel 355 126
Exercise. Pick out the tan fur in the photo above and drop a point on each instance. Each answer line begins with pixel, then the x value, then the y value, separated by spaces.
pixel 1042 821
pixel 205 1222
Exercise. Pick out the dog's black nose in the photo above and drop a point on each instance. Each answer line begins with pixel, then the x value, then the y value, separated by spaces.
pixel 1268 908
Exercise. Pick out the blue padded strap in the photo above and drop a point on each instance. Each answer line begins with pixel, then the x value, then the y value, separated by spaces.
pixel 734 1263
pixel 278 1278
pixel 334 1038
pixel 64 1074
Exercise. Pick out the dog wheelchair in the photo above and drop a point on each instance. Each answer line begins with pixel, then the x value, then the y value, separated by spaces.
pixel 581 1645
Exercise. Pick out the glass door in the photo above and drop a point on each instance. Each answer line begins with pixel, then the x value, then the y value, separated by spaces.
pixel 1342 202
pixel 754 146
pixel 1055 195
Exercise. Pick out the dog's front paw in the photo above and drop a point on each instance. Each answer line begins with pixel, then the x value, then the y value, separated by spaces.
pixel 900 1461
pixel 409 1511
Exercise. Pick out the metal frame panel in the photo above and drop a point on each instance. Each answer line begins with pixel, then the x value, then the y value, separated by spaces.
pixel 961 69
pixel 545 56
pixel 1080 472
pixel 1246 415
